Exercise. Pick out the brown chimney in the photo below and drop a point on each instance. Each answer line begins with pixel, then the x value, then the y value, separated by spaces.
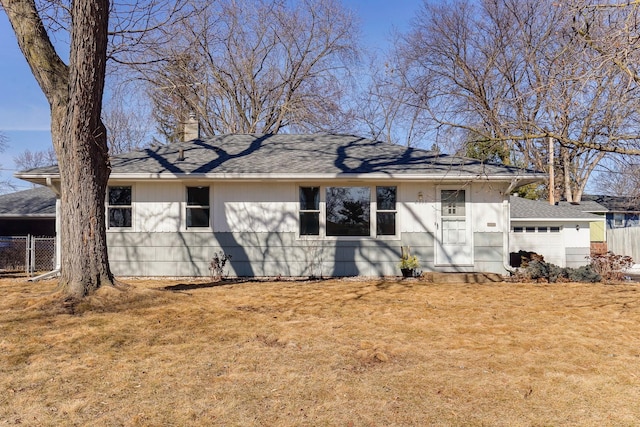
pixel 191 128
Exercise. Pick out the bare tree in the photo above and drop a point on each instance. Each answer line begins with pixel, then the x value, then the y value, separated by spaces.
pixel 128 123
pixel 256 66
pixel 620 177
pixel 34 159
pixel 385 111
pixel 5 184
pixel 513 74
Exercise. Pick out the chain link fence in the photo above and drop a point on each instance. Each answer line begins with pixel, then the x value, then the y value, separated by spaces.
pixel 27 253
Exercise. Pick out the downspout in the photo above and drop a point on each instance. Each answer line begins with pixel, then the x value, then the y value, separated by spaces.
pixel 506 217
pixel 56 271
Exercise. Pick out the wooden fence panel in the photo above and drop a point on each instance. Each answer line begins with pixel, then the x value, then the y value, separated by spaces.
pixel 625 241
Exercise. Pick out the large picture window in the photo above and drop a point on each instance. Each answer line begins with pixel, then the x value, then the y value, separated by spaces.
pixel 119 206
pixel 348 211
pixel 198 210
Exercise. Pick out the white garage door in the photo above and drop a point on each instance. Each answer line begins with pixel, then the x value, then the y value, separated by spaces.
pixel 544 240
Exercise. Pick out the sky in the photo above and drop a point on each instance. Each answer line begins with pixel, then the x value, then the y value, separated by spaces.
pixel 24 110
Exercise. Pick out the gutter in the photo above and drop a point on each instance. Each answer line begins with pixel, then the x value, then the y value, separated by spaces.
pixel 523 179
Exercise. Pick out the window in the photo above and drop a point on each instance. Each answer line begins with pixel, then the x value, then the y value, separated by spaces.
pixel 452 202
pixel 518 229
pixel 309 211
pixel 530 229
pixel 197 207
pixel 386 211
pixel 119 206
pixel 618 220
pixel 543 229
pixel 554 229
pixel 348 211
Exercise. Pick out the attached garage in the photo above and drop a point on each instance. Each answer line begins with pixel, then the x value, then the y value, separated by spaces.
pixel 559 233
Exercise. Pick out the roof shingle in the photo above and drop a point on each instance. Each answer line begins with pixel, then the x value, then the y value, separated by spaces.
pixel 247 154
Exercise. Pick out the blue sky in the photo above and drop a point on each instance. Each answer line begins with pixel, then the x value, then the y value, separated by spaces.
pixel 24 110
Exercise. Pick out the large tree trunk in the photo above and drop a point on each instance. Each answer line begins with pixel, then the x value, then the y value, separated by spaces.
pixel 74 93
pixel 83 155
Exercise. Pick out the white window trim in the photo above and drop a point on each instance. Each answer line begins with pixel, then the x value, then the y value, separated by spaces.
pixel 185 207
pixel 132 207
pixel 322 235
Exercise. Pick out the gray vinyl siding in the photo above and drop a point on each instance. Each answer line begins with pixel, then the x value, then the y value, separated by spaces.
pixel 281 254
pixel 488 252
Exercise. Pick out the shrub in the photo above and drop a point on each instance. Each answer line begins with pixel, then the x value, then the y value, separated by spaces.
pixel 610 265
pixel 216 266
pixel 543 271
pixel 586 273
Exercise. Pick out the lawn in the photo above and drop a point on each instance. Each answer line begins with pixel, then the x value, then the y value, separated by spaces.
pixel 321 353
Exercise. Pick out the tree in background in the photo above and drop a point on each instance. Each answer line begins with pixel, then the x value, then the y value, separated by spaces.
pixel 5 184
pixel 129 124
pixel 34 159
pixel 247 66
pixel 513 74
pixel 621 177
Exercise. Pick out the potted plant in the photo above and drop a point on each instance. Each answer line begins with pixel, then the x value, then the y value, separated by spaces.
pixel 408 263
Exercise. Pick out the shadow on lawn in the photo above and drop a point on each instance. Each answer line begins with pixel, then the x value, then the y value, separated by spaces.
pixel 227 282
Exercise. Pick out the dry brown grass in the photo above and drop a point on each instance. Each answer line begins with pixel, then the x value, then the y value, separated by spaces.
pixel 326 353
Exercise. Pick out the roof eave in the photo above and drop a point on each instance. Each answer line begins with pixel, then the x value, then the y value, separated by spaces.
pixel 22 216
pixel 557 219
pixel 522 179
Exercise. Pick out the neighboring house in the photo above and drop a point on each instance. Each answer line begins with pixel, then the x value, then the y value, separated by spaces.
pixel 623 224
pixel 622 212
pixel 560 233
pixel 28 212
pixel 302 205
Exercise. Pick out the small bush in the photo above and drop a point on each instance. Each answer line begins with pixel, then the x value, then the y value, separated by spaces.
pixel 216 266
pixel 610 265
pixel 545 272
pixel 586 273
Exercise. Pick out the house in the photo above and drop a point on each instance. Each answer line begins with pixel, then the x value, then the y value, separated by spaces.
pixel 28 212
pixel 623 224
pixel 302 205
pixel 560 233
pixel 621 212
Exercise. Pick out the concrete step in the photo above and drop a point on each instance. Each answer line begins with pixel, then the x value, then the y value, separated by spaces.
pixel 434 277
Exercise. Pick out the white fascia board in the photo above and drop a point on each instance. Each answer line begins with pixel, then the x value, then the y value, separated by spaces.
pixel 523 179
pixel 318 176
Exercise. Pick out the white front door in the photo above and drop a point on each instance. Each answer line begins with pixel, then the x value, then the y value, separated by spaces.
pixel 454 244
